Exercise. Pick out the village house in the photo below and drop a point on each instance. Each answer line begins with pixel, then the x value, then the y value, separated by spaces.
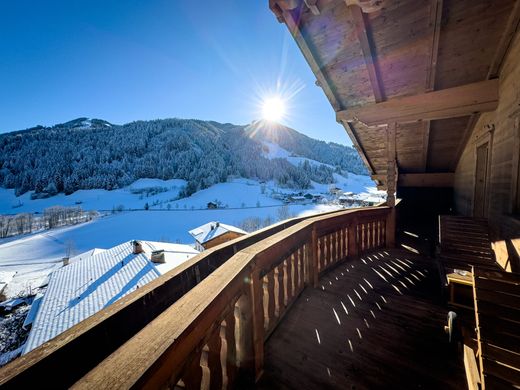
pixel 95 280
pixel 214 233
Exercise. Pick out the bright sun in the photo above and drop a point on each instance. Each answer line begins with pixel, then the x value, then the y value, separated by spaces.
pixel 273 109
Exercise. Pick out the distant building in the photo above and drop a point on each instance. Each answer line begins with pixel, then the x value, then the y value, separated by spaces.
pixel 212 205
pixel 214 233
pixel 297 198
pixel 83 287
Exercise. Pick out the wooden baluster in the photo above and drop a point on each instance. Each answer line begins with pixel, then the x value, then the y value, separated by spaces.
pixel 333 250
pixel 192 377
pixel 365 237
pixel 312 260
pixel 360 235
pixel 370 235
pixel 383 231
pixel 258 322
pixel 379 234
pixel 214 362
pixel 292 276
pixel 321 254
pixel 230 357
pixel 288 280
pixel 271 307
pixel 342 243
pixel 297 259
pixel 339 244
pixel 281 288
pixel 326 250
pixel 265 301
pixel 345 243
pixel 244 337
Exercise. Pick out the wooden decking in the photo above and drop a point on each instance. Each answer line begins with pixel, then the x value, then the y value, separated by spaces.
pixel 374 322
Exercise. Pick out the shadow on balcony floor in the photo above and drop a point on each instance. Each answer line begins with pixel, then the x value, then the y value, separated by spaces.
pixel 374 322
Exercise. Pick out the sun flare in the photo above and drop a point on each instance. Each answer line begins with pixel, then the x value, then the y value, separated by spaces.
pixel 273 109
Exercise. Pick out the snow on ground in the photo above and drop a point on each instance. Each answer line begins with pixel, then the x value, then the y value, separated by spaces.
pixel 275 151
pixel 34 256
pixel 93 199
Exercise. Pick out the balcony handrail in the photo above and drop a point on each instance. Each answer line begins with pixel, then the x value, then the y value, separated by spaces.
pixel 98 336
pixel 233 311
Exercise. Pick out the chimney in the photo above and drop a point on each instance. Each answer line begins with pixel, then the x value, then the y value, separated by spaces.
pixel 66 261
pixel 158 256
pixel 217 225
pixel 137 247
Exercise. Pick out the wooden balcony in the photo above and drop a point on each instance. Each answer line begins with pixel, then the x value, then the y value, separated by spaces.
pixel 317 302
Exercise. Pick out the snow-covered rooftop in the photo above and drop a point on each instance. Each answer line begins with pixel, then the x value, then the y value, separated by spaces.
pixel 84 287
pixel 211 230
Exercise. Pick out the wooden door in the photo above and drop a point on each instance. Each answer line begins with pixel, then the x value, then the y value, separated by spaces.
pixel 481 181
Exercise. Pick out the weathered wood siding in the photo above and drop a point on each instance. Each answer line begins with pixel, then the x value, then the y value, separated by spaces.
pixel 502 128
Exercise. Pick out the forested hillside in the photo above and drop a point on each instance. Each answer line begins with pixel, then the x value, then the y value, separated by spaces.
pixel 87 154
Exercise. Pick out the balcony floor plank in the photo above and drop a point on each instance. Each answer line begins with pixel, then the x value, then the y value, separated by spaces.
pixel 392 338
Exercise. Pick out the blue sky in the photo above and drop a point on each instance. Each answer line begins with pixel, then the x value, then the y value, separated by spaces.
pixel 129 60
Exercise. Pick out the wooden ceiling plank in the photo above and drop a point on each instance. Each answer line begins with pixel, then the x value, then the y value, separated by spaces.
pixel 473 119
pixel 447 103
pixel 435 31
pixel 293 26
pixel 435 28
pixel 511 27
pixel 361 32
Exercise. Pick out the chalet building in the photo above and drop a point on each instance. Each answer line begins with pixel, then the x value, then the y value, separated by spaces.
pixel 97 279
pixel 429 93
pixel 214 233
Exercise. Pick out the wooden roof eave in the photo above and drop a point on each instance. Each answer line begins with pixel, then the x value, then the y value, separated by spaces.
pixel 285 11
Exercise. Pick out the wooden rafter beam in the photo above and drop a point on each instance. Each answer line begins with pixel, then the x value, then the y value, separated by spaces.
pixel 293 26
pixel 447 103
pixel 362 35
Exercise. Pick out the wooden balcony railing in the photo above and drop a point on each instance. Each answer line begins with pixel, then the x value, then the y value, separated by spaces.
pixel 213 337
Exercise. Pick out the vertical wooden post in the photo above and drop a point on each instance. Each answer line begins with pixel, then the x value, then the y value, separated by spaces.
pixel 258 322
pixel 391 182
pixel 352 239
pixel 390 228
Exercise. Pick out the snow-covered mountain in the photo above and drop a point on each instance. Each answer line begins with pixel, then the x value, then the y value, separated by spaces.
pixel 95 154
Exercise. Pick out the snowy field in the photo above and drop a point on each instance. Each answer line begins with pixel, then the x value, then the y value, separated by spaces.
pixel 34 256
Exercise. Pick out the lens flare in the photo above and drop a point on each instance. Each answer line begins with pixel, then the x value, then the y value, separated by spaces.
pixel 273 109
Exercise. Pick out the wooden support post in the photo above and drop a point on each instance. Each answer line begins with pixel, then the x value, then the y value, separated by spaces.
pixel 257 293
pixel 391 170
pixel 391 185
pixel 390 228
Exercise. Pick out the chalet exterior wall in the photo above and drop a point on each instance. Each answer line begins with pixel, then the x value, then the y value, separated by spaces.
pixel 502 129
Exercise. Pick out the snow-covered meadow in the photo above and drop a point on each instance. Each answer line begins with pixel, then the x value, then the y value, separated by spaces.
pixel 169 219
